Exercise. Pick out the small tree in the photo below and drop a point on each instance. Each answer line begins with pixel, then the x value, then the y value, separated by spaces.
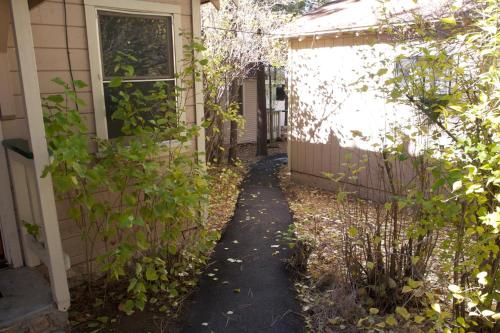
pixel 447 71
pixel 234 48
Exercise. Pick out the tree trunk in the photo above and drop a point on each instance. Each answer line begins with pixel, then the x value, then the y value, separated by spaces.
pixel 233 134
pixel 271 120
pixel 261 111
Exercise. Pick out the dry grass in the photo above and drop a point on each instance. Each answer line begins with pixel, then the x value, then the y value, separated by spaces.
pixel 314 221
pixel 328 304
pixel 225 183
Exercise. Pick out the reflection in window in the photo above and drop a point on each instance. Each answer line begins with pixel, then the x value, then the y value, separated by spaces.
pixel 144 43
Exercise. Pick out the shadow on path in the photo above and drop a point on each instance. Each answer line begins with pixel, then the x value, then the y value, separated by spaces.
pixel 246 287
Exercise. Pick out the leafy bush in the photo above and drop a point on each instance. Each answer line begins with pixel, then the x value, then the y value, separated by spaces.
pixel 139 200
pixel 448 74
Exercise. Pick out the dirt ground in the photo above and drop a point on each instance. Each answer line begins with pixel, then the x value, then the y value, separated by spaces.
pixel 326 302
pixel 247 152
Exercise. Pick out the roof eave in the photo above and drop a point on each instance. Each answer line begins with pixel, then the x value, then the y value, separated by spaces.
pixel 329 32
pixel 216 3
pixel 33 3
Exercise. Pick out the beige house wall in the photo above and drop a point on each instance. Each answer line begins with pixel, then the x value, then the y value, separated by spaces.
pixel 51 58
pixel 327 111
pixel 248 132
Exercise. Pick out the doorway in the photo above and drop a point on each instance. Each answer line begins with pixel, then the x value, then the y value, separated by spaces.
pixel 3 259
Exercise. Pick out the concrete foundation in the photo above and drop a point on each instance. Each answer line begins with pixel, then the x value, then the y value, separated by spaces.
pixel 26 304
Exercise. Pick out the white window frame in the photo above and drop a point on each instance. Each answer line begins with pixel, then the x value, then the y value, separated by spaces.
pixel 138 7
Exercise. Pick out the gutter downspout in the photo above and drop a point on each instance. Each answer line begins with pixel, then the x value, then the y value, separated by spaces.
pixel 198 83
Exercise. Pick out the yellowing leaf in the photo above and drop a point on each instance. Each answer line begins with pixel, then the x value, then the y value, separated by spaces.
pixel 374 311
pixel 352 232
pixel 407 289
pixel 415 284
pixel 436 307
pixel 382 71
pixel 449 20
pixel 403 312
pixel 419 319
pixel 391 321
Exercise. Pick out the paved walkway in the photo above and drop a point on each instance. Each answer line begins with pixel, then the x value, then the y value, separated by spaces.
pixel 246 288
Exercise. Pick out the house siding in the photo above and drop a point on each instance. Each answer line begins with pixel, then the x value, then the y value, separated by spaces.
pixel 325 108
pixel 47 22
pixel 248 132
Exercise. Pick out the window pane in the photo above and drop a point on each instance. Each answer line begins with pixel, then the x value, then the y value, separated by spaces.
pixel 153 105
pixel 147 38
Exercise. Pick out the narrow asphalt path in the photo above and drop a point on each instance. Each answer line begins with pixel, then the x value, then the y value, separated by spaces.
pixel 246 287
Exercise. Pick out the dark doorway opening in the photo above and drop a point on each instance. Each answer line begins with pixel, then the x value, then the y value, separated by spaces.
pixel 3 260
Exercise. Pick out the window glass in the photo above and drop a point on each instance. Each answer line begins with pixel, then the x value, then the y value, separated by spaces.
pixel 147 38
pixel 150 112
pixel 145 43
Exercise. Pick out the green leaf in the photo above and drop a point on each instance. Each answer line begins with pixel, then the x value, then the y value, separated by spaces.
pixel 115 82
pixel 59 81
pixel 56 99
pixel 140 304
pixel 151 274
pixel 79 84
pixel 127 307
pixel 138 269
pixel 172 249
pixel 132 284
pixel 352 232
